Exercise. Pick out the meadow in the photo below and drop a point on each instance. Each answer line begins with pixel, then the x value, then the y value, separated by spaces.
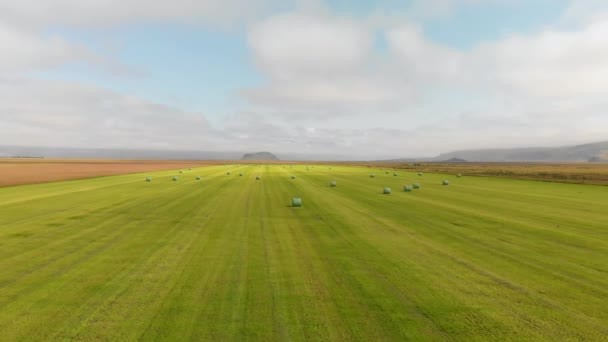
pixel 227 258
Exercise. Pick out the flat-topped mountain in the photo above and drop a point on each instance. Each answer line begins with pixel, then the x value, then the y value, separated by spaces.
pixel 259 156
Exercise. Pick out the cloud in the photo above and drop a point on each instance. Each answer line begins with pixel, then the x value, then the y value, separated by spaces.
pixel 550 63
pixel 581 13
pixel 319 61
pixel 105 13
pixel 424 9
pixel 519 90
pixel 24 51
pixel 296 44
pixel 54 113
pixel 418 58
pixel 331 84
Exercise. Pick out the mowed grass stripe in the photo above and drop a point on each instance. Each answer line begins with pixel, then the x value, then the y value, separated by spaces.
pixel 133 241
pixel 214 280
pixel 389 311
pixel 66 229
pixel 131 323
pixel 394 206
pixel 408 204
pixel 551 243
pixel 305 284
pixel 227 258
pixel 403 279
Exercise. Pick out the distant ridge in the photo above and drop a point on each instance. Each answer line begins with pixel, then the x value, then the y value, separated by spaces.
pixel 454 160
pixel 259 156
pixel 596 152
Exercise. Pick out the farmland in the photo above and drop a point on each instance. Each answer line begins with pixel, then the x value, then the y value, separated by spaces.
pixel 579 173
pixel 228 258
pixel 18 171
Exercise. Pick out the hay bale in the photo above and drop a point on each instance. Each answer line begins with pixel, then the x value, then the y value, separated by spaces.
pixel 175 178
pixel 387 191
pixel 386 172
pixel 148 179
pixel 333 184
pixel 296 202
pixel 419 173
pixel 257 177
pixel 416 186
pixel 198 178
pixel 459 175
pixel 228 173
pixel 180 171
pixel 293 177
pixel 446 182
pixel 372 176
pixel 407 188
pixel 395 174
pixel 241 174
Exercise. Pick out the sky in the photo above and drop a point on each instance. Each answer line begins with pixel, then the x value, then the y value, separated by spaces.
pixel 359 79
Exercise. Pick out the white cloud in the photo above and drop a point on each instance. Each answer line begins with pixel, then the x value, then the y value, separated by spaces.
pixel 551 63
pixel 320 61
pixel 25 51
pixel 424 61
pixel 584 12
pixel 295 45
pixel 422 9
pixel 53 113
pixel 520 90
pixel 328 86
pixel 35 13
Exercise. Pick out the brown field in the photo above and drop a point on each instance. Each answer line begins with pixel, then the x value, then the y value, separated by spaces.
pixel 28 171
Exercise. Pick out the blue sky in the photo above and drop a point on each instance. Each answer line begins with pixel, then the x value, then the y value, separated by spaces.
pixel 278 73
pixel 200 68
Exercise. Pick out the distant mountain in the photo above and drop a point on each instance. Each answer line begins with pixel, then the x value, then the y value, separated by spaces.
pixel 99 153
pixel 596 152
pixel 454 160
pixel 144 154
pixel 259 156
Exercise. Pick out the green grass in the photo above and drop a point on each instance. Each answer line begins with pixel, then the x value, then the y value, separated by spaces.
pixel 227 258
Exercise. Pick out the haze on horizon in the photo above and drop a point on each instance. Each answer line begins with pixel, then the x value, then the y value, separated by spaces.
pixel 371 79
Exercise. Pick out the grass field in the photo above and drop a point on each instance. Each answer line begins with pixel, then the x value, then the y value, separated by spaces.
pixel 578 173
pixel 227 258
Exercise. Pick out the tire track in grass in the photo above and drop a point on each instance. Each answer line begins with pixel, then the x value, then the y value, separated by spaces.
pixel 85 271
pixel 289 284
pixel 217 293
pixel 469 214
pixel 358 244
pixel 76 204
pixel 395 224
pixel 320 316
pixel 102 227
pixel 228 320
pixel 131 308
pixel 349 273
pixel 189 295
pixel 507 255
pixel 181 261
